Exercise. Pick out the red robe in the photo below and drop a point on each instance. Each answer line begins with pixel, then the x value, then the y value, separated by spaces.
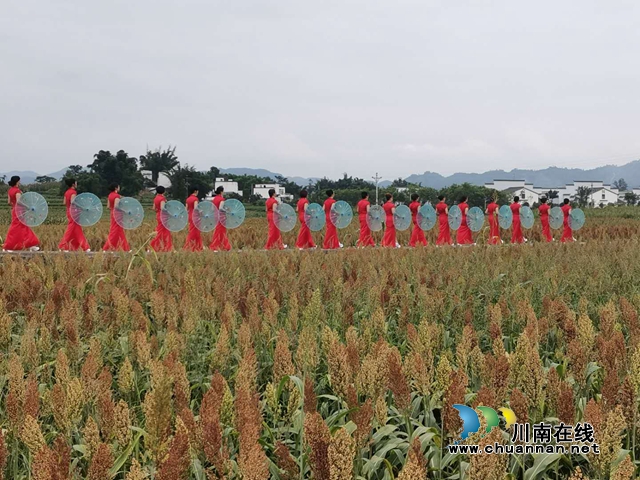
pixel 544 220
pixel 331 236
pixel 305 239
pixel 193 243
pixel 567 233
pixel 73 238
pixel 274 240
pixel 444 235
pixel 116 239
pixel 463 236
pixel 365 239
pixel 516 235
pixel 220 241
pixel 19 236
pixel 389 239
pixel 163 241
pixel 494 226
pixel 417 235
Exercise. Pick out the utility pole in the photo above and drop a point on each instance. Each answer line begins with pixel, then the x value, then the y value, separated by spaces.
pixel 377 179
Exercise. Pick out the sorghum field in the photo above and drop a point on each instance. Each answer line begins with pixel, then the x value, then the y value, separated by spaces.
pixel 289 365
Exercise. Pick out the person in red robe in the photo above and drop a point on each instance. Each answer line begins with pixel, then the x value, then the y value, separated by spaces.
pixel 193 243
pixel 516 235
pixel 464 236
pixel 220 241
pixel 162 241
pixel 567 233
pixel 417 234
pixel 19 236
pixel 116 239
pixel 494 226
pixel 73 238
pixel 274 240
pixel 365 239
pixel 389 238
pixel 444 235
pixel 331 235
pixel 543 209
pixel 305 239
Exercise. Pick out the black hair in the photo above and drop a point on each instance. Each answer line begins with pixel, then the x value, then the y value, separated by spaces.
pixel 329 192
pixel 272 192
pixel 160 189
pixel 516 199
pixel 566 201
pixel 415 196
pixel 543 200
pixel 388 196
pixel 364 195
pixel 192 189
pixel 14 181
pixel 463 199
pixel 303 194
pixel 219 190
pixel 70 182
pixel 441 197
pixel 113 186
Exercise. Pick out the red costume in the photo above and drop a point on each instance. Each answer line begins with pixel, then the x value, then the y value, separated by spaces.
pixel 220 241
pixel 544 220
pixel 516 236
pixel 494 226
pixel 73 237
pixel 19 236
pixel 365 239
pixel 463 236
pixel 389 239
pixel 331 236
pixel 444 236
pixel 193 242
pixel 163 241
pixel 417 235
pixel 116 239
pixel 567 233
pixel 305 239
pixel 274 240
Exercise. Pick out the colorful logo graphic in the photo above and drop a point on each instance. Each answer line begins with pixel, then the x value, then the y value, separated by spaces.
pixel 471 421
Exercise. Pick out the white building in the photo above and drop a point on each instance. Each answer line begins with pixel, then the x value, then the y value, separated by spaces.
pixel 262 191
pixel 228 185
pixel 526 191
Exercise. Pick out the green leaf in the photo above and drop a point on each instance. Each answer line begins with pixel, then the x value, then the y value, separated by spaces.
pixel 124 456
pixel 541 463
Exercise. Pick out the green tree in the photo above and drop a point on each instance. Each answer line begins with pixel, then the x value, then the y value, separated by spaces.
pixel 44 179
pixel 87 181
pixel 552 194
pixel 119 168
pixel 182 178
pixel 582 196
pixel 399 182
pixel 621 185
pixel 630 198
pixel 159 161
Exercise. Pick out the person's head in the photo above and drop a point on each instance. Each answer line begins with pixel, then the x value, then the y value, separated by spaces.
pixel 364 195
pixel 543 200
pixel 388 197
pixel 160 190
pixel 71 182
pixel 463 199
pixel 193 190
pixel 414 197
pixel 272 192
pixel 219 190
pixel 516 199
pixel 15 180
pixel 566 201
pixel 303 194
pixel 114 187
pixel 441 198
pixel 329 193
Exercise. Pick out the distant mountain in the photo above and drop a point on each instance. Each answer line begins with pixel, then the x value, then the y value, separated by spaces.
pixel 29 176
pixel 261 172
pixel 547 177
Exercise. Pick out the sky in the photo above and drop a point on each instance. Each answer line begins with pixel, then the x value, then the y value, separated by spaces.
pixel 321 88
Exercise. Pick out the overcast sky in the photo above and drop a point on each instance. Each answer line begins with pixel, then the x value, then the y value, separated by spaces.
pixel 320 88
